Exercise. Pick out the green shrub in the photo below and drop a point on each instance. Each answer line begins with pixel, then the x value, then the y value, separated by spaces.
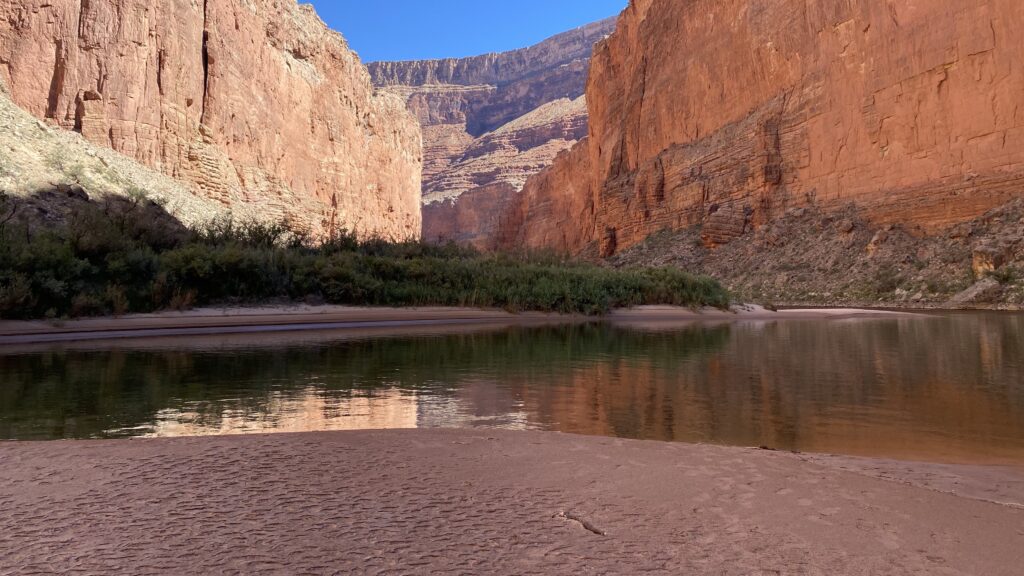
pixel 887 279
pixel 128 255
pixel 1006 275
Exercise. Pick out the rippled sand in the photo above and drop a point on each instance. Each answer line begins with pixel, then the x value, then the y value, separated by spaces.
pixel 479 502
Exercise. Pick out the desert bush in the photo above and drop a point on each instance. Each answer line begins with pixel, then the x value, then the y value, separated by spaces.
pixel 887 278
pixel 1006 275
pixel 128 255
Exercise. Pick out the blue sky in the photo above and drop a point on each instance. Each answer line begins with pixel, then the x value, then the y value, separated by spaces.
pixel 422 29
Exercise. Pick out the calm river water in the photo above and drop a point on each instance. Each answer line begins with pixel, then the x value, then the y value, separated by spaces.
pixel 942 388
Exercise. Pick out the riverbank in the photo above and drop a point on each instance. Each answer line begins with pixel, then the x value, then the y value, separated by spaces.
pixel 492 502
pixel 838 258
pixel 295 318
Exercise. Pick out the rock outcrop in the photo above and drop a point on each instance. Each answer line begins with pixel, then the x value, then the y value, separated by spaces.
pixel 256 104
pixel 728 114
pixel 489 122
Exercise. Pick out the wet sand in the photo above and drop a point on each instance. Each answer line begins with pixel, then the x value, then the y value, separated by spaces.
pixel 297 318
pixel 482 502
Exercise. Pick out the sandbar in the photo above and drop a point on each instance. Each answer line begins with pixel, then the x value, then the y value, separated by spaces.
pixel 296 318
pixel 491 502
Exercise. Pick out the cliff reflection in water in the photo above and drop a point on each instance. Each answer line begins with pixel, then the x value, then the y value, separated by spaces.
pixel 947 389
pixel 941 388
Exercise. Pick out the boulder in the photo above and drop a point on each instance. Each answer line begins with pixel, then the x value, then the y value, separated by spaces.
pixel 987 259
pixel 983 291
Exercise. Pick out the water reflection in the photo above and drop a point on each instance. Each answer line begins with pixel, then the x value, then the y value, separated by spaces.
pixel 303 411
pixel 947 388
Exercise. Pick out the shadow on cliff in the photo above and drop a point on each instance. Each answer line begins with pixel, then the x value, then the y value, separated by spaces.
pixel 63 253
pixel 70 209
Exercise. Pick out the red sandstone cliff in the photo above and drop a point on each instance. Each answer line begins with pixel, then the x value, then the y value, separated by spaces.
pixel 255 104
pixel 489 122
pixel 728 113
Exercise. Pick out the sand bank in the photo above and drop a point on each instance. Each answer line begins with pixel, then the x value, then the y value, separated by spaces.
pixel 294 318
pixel 479 502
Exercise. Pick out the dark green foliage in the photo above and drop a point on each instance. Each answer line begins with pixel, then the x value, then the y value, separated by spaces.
pixel 1006 275
pixel 129 256
pixel 887 279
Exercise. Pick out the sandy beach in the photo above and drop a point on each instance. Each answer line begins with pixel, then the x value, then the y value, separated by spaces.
pixel 297 318
pixel 492 502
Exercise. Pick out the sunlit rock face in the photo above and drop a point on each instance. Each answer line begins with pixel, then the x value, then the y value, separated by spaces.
pixel 728 114
pixel 492 171
pixel 254 104
pixel 490 122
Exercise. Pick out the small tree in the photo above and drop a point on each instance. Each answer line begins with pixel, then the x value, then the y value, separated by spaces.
pixel 8 210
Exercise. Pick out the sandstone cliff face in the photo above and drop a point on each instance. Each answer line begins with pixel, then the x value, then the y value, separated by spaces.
pixel 489 122
pixel 513 152
pixel 729 113
pixel 464 202
pixel 256 104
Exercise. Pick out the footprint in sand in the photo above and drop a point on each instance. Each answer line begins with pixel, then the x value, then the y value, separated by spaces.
pixel 889 537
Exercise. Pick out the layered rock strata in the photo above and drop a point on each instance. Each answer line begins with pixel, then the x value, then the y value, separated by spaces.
pixel 489 122
pixel 727 114
pixel 256 105
pixel 464 202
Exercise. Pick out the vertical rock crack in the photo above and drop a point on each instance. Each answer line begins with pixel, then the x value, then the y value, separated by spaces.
pixel 206 62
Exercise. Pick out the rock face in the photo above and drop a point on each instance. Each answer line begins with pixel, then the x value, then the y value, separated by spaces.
pixel 464 202
pixel 489 122
pixel 256 104
pixel 47 166
pixel 730 113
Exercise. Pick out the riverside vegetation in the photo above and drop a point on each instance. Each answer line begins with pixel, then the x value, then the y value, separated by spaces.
pixel 127 255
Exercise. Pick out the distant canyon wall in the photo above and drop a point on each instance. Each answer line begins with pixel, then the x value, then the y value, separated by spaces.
pixel 255 104
pixel 729 113
pixel 489 122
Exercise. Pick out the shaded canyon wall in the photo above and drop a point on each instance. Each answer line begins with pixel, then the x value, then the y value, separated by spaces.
pixel 255 104
pixel 729 113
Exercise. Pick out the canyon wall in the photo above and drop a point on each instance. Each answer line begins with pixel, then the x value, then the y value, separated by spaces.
pixel 255 104
pixel 464 202
pixel 730 113
pixel 489 122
